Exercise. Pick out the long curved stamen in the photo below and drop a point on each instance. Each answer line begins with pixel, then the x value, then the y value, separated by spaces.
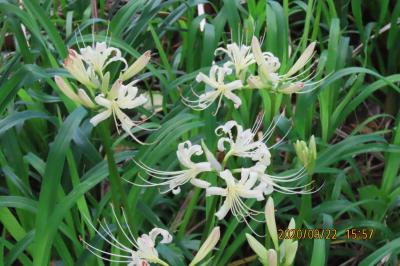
pixel 155 171
pixel 129 229
pixel 122 247
pixel 91 247
pixel 107 229
pixel 282 139
pixel 298 172
pixel 107 259
pixel 122 229
pixel 294 190
pixel 219 105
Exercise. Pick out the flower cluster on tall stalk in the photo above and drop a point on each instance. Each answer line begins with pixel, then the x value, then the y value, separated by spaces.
pixel 226 79
pixel 107 98
pixel 252 182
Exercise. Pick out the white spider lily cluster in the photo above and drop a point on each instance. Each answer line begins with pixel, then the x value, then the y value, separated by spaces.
pixel 240 57
pixel 268 66
pixel 254 182
pixel 140 251
pixel 283 254
pixel 89 68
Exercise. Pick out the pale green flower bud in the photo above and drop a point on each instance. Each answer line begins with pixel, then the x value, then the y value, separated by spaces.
pixel 259 249
pixel 207 246
pixel 290 250
pixel 272 258
pixel 137 66
pixel 288 247
pixel 270 219
pixel 307 154
pixel 302 61
pixel 66 89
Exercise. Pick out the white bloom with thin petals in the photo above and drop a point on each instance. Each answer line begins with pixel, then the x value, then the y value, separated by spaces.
pixel 100 56
pixel 175 179
pixel 268 66
pixel 234 194
pixel 244 143
pixel 138 252
pixel 218 89
pixel 120 97
pixel 146 251
pixel 240 57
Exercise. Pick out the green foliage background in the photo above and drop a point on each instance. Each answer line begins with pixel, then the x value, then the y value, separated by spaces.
pixel 53 165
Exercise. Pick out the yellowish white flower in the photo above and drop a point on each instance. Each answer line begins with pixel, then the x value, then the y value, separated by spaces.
pixel 139 251
pixel 240 57
pixel 175 179
pixel 217 89
pixel 100 56
pixel 207 246
pixel 120 97
pixel 268 65
pixel 75 66
pixel 234 193
pixel 244 144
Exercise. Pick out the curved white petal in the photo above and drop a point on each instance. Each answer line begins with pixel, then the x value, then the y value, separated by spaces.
pixel 95 120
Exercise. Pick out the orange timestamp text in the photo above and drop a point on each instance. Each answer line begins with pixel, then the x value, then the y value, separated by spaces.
pixel 327 233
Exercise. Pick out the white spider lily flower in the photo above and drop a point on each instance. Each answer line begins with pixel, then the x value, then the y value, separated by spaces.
pixel 268 66
pixel 243 145
pixel 240 57
pixel 146 251
pixel 100 56
pixel 234 192
pixel 207 246
pixel 81 97
pixel 219 89
pixel 175 179
pixel 120 97
pixel 140 251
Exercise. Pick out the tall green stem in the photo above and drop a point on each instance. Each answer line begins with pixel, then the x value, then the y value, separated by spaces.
pixel 118 195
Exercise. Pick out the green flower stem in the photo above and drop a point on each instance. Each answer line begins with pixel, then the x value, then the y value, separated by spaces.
pixel 118 195
pixel 306 206
pixel 188 213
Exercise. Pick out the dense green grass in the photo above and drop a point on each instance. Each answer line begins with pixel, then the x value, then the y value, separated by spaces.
pixel 56 169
